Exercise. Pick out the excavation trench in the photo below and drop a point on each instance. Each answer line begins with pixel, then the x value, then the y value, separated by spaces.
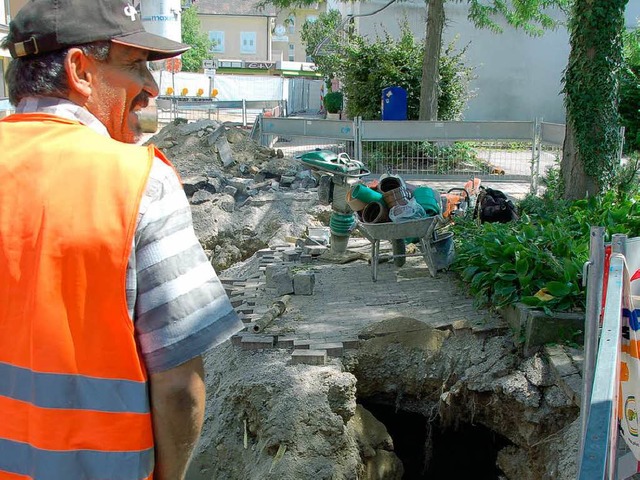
pixel 411 402
pixel 430 450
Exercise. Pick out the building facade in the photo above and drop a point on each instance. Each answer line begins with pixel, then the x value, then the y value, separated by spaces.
pixel 261 40
pixel 518 77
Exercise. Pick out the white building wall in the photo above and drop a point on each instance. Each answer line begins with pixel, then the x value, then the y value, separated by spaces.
pixel 519 77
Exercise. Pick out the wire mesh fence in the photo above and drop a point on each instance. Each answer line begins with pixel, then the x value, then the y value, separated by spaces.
pixel 450 158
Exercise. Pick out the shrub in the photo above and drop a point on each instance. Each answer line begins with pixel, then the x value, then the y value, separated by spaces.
pixel 538 260
pixel 333 102
pixel 370 67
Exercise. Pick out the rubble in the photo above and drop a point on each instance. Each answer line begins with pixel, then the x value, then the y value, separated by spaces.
pixel 244 196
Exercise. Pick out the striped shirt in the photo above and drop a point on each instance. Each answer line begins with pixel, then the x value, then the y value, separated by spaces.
pixel 177 303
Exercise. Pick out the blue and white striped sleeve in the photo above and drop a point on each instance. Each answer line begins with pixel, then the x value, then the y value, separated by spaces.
pixel 181 309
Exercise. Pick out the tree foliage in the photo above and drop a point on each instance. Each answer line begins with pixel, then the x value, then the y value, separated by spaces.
pixel 200 43
pixel 591 96
pixel 368 67
pixel 324 42
pixel 630 90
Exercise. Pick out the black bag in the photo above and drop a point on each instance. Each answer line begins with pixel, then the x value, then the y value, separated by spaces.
pixel 494 206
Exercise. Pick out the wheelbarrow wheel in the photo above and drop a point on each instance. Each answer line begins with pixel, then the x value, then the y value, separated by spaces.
pixel 399 248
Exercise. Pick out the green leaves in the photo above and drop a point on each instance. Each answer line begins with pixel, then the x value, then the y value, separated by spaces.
pixel 538 260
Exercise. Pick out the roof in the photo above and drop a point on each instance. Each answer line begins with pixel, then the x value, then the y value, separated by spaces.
pixel 234 7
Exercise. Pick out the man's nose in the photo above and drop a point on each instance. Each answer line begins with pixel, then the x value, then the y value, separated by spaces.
pixel 150 85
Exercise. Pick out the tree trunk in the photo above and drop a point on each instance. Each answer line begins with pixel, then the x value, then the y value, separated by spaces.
pixel 577 184
pixel 429 90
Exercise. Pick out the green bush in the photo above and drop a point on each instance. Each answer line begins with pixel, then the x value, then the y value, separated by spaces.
pixel 538 260
pixel 333 102
pixel 369 67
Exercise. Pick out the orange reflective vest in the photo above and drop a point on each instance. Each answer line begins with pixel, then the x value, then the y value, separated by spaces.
pixel 74 402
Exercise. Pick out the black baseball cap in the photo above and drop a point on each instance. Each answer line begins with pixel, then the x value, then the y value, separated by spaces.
pixel 43 26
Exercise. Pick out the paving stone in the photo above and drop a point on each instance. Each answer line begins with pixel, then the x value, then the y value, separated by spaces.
pixel 259 342
pixel 282 281
pixel 291 255
pixel 351 343
pixel 309 357
pixel 270 271
pixel 560 362
pixel 301 344
pixel 332 349
pixel 244 308
pixel 285 342
pixel 314 250
pixel 303 283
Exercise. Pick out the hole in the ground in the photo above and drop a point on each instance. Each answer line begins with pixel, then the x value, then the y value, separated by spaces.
pixel 468 452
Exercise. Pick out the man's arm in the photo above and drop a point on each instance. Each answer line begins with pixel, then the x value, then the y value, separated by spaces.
pixel 177 405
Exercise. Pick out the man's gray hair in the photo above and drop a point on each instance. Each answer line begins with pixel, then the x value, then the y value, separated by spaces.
pixel 44 75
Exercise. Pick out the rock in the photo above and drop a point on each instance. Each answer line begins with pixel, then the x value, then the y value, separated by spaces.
pixel 214 185
pixel 201 196
pixel 537 371
pixel 224 152
pixel 518 387
pixel 279 153
pixel 192 184
pixel 286 180
pixel 230 190
pixel 235 135
pixel 194 127
pixel 226 202
pixel 213 137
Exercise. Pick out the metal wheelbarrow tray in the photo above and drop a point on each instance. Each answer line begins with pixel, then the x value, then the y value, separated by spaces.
pixel 423 228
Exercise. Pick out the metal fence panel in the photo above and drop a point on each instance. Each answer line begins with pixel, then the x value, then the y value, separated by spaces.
pixel 308 127
pixel 446 131
pixel 552 134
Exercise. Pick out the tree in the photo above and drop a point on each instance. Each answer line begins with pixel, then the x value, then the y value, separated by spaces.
pixel 323 44
pixel 592 140
pixel 528 15
pixel 630 90
pixel 200 43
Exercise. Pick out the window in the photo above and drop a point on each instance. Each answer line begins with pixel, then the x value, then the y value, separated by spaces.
pixel 292 52
pixel 247 42
pixel 217 37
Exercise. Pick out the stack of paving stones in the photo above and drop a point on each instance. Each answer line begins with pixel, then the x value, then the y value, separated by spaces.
pixel 275 275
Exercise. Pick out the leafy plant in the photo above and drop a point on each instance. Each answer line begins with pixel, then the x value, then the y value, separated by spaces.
pixel 333 102
pixel 538 260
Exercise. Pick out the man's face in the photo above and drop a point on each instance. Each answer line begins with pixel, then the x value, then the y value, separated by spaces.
pixel 121 86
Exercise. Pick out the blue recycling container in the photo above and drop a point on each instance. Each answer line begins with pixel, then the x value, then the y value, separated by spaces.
pixel 394 103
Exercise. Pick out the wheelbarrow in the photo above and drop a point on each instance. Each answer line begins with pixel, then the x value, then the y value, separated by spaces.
pixel 423 228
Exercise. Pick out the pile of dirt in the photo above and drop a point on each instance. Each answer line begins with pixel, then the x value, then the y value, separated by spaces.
pixel 269 419
pixel 243 196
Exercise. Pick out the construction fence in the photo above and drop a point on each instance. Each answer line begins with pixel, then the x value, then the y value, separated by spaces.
pixel 510 151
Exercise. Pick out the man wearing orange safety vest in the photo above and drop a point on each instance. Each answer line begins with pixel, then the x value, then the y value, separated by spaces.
pixel 107 300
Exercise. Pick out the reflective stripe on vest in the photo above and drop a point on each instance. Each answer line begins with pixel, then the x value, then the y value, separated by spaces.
pixel 77 392
pixel 23 459
pixel 73 389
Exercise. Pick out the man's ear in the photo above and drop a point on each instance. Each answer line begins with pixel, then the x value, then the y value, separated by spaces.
pixel 80 73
